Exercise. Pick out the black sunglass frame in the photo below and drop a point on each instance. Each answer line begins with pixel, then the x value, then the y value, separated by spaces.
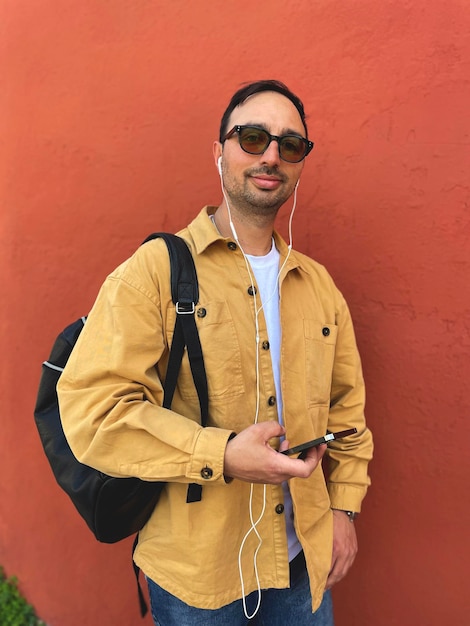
pixel 240 127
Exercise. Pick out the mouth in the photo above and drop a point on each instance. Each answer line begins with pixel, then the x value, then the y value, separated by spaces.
pixel 266 181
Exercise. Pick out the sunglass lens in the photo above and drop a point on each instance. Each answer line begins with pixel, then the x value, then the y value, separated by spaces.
pixel 253 140
pixel 292 148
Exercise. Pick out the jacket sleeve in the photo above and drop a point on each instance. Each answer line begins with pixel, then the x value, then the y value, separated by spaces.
pixel 111 391
pixel 348 458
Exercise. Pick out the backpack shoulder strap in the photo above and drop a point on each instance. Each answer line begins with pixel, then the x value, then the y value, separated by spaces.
pixel 184 285
pixel 185 295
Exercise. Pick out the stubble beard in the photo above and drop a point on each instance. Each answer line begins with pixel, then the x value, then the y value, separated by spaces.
pixel 251 202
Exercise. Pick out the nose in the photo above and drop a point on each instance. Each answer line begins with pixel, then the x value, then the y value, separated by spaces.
pixel 271 154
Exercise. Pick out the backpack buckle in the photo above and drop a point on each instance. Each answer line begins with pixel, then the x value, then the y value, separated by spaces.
pixel 185 308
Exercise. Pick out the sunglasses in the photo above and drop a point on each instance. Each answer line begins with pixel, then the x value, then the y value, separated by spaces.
pixel 255 140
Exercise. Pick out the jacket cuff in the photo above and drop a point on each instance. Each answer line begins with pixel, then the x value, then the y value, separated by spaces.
pixel 346 497
pixel 207 460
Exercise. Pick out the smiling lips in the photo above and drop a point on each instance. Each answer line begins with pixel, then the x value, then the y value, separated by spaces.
pixel 266 182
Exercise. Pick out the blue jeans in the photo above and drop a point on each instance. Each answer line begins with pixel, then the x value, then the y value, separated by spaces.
pixel 279 607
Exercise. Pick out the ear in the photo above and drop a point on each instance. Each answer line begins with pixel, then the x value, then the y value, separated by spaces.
pixel 217 150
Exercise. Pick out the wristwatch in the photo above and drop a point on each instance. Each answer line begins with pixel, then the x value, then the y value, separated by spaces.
pixel 351 514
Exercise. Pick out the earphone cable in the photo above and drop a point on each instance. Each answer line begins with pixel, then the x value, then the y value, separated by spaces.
pixel 257 310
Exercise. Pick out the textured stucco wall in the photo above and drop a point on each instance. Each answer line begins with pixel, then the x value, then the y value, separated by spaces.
pixel 108 112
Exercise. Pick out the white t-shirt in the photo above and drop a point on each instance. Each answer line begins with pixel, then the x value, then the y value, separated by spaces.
pixel 266 270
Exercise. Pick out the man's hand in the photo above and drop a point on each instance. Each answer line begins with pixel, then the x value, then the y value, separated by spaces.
pixel 249 457
pixel 344 547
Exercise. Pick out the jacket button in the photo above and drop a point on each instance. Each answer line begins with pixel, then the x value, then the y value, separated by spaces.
pixel 325 331
pixel 232 245
pixel 251 290
pixel 265 345
pixel 206 473
pixel 272 400
pixel 279 509
pixel 201 312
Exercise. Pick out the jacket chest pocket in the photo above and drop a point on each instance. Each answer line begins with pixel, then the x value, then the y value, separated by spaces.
pixel 221 353
pixel 320 346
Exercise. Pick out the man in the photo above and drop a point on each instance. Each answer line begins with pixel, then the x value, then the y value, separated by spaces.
pixel 270 536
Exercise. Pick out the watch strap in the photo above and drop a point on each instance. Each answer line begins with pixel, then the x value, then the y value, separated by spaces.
pixel 352 515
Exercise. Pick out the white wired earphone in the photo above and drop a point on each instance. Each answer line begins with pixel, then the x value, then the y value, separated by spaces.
pixel 254 524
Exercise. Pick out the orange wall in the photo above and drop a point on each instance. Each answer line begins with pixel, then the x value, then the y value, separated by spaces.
pixel 107 117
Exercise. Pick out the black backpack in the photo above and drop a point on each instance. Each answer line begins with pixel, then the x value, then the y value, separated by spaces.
pixel 115 508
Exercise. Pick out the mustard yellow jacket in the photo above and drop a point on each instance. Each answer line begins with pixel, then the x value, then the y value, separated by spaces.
pixel 110 400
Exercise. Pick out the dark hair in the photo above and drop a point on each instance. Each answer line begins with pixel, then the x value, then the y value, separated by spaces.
pixel 250 89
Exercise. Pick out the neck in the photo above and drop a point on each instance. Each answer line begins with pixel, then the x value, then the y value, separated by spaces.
pixel 254 234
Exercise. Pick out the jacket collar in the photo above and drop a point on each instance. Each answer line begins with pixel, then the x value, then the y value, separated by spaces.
pixel 204 233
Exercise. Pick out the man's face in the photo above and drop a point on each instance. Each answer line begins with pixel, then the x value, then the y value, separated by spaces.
pixel 260 184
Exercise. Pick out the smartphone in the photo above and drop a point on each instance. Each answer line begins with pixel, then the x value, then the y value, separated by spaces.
pixel 316 442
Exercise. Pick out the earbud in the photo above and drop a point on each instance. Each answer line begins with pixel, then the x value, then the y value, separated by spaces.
pixel 219 165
